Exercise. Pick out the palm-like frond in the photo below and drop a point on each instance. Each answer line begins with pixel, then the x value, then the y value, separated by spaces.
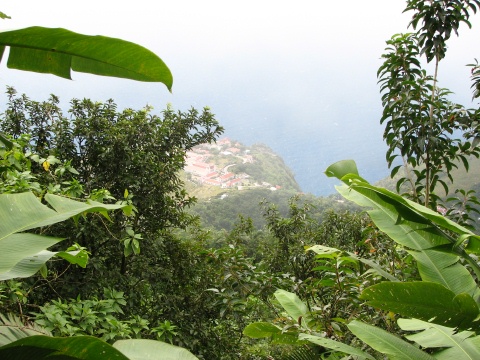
pixel 304 352
pixel 12 328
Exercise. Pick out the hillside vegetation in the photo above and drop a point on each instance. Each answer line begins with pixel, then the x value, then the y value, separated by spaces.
pixel 223 212
pixel 468 180
pixel 265 180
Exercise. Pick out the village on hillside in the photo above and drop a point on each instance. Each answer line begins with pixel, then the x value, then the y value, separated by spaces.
pixel 204 170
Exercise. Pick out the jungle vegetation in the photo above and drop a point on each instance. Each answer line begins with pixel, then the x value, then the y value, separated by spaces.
pixel 101 253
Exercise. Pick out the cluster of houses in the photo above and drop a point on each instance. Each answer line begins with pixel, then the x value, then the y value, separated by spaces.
pixel 205 172
pixel 202 169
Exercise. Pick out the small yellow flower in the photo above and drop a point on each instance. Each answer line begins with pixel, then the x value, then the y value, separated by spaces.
pixel 46 165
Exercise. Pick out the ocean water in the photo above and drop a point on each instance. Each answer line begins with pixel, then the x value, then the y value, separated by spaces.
pixel 311 143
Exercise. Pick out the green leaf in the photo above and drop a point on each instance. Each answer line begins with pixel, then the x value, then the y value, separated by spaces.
pixel 294 307
pixel 43 271
pixel 386 343
pixel 423 300
pixel 445 269
pixel 406 222
pixel 336 346
pixel 7 143
pixel 58 51
pixel 377 268
pixel 17 247
pixel 379 197
pixel 67 208
pixel 22 253
pixel 79 257
pixel 321 250
pixel 141 349
pixel 342 168
pixel 285 338
pixel 12 328
pixel 27 266
pixel 458 345
pixel 393 217
pixel 260 330
pixel 44 347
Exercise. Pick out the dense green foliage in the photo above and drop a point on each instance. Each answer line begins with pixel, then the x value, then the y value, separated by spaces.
pixel 175 288
pixel 45 50
pixel 158 200
pixel 421 123
pixel 314 280
pixel 222 212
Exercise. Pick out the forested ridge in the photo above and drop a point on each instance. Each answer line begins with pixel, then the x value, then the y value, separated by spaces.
pixel 104 252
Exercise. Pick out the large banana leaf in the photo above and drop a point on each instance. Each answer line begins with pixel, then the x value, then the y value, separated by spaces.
pixel 29 265
pixel 408 223
pixel 423 300
pixel 457 345
pixel 18 342
pixel 140 349
pixel 58 51
pixel 444 268
pixel 22 254
pixel 386 343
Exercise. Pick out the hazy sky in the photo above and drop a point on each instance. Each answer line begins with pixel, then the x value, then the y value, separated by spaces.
pixel 299 72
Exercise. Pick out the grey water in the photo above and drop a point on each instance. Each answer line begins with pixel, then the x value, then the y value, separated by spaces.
pixel 309 144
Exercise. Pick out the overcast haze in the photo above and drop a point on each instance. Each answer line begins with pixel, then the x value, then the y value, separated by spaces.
pixel 299 76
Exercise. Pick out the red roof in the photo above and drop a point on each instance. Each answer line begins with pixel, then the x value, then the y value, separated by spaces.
pixel 227 176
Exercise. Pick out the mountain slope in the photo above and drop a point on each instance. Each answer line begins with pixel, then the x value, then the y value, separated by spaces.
pixel 229 166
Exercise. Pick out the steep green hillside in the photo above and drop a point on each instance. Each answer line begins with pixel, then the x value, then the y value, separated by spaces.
pixel 268 167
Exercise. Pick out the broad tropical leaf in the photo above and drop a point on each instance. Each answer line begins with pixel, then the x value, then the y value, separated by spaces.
pixel 423 300
pixel 58 51
pixel 459 345
pixel 22 254
pixel 72 348
pixel 140 349
pixel 336 346
pixel 386 343
pixel 408 223
pixel 407 209
pixel 445 269
pixel 390 217
pixel 262 330
pixel 29 265
pixel 294 307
